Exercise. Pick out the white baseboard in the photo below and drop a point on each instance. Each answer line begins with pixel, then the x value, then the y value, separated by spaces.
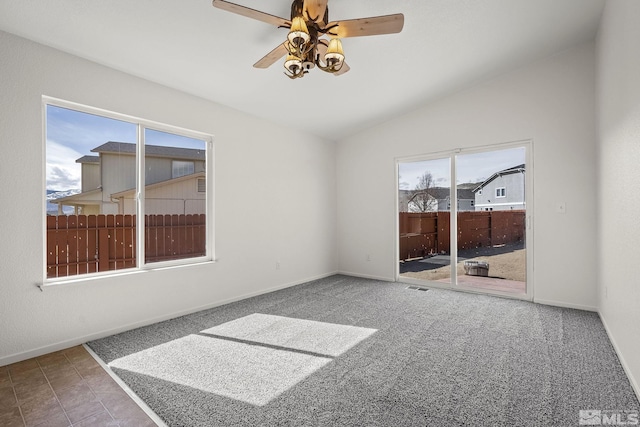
pixel 39 351
pixel 565 304
pixel 634 383
pixel 366 276
pixel 50 348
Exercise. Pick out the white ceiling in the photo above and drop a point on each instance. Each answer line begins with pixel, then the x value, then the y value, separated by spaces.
pixel 189 45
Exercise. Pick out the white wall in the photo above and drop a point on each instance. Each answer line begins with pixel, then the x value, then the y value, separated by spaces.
pixel 275 201
pixel 551 102
pixel 618 83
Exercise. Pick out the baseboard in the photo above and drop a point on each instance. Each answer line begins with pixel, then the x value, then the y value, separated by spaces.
pixel 634 383
pixel 39 351
pixel 366 276
pixel 565 304
pixel 536 300
pixel 50 348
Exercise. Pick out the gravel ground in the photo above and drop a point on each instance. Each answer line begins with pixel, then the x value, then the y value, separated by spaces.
pixel 509 265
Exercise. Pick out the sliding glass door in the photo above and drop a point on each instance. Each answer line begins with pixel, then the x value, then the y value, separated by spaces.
pixel 425 219
pixel 472 234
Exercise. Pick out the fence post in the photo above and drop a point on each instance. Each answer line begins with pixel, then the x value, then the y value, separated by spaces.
pixel 103 244
pixel 491 231
pixel 52 248
pixel 444 231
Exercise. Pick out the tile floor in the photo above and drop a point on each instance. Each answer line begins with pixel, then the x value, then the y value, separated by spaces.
pixel 65 388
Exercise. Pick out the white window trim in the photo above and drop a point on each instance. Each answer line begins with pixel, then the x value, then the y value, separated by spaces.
pixel 504 192
pixel 142 125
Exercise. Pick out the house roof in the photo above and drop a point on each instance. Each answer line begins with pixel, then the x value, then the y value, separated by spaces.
pixel 508 171
pixel 85 198
pixel 160 184
pixel 151 150
pixel 441 193
pixel 88 159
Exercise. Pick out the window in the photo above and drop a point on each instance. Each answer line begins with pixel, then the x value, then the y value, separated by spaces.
pixel 202 185
pixel 182 168
pixel 501 192
pixel 480 192
pixel 109 175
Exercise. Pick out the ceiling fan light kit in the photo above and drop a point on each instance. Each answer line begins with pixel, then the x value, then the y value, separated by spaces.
pixel 299 33
pixel 335 54
pixel 306 47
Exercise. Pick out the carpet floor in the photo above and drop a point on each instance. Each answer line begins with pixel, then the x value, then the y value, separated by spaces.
pixel 344 351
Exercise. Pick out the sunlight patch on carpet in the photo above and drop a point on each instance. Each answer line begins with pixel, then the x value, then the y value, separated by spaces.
pixel 250 371
pixel 322 338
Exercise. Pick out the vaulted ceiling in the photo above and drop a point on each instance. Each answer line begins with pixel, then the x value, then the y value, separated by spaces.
pixel 446 45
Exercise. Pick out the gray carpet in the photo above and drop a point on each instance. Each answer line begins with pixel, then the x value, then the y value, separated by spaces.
pixel 343 351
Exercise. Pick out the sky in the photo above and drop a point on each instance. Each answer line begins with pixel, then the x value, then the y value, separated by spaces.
pixel 73 134
pixel 474 167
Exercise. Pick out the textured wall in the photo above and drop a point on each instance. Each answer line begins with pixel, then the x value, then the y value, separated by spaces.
pixel 552 103
pixel 619 179
pixel 264 175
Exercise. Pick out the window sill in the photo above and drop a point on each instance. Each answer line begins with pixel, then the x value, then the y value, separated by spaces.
pixel 75 280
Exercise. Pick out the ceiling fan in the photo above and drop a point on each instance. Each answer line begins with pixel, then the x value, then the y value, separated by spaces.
pixel 313 40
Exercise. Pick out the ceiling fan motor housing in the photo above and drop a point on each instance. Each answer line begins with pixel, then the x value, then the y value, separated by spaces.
pixel 297 9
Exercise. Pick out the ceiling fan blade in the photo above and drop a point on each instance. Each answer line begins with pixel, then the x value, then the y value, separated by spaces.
pixel 387 24
pixel 315 10
pixel 322 50
pixel 251 13
pixel 270 58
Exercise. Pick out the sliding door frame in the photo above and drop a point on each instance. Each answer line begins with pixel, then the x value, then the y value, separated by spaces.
pixel 529 197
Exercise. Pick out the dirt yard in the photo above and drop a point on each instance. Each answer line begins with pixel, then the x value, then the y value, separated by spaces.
pixel 510 265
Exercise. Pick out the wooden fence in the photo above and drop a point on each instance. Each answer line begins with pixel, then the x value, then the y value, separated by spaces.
pixel 78 244
pixel 426 233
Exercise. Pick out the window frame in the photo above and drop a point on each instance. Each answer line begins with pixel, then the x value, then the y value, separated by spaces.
pixel 503 191
pixel 142 125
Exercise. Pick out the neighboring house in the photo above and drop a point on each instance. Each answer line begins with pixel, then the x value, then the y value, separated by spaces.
pixel 403 200
pixel 180 195
pixel 438 200
pixel 174 177
pixel 443 198
pixel 502 191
